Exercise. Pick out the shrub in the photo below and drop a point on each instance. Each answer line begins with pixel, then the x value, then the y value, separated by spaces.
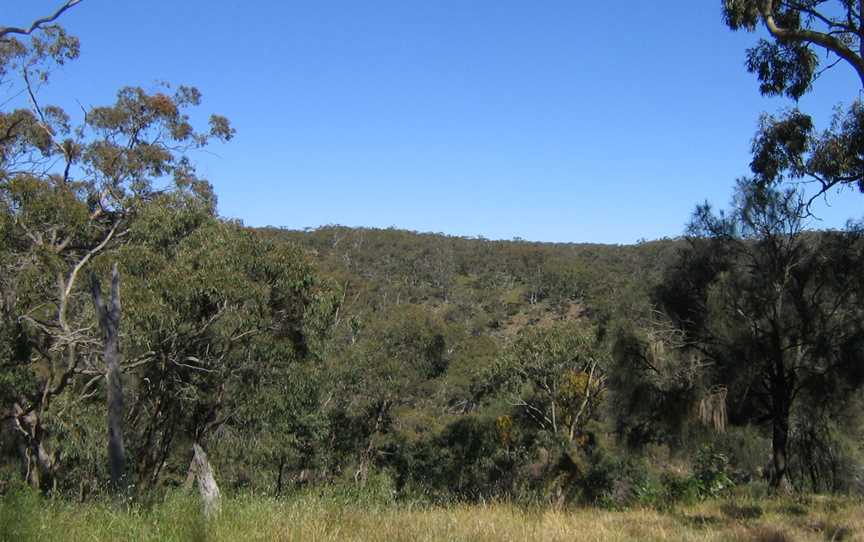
pixel 711 472
pixel 678 489
pixel 616 482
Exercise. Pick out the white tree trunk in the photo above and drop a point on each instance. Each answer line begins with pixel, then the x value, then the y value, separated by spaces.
pixel 200 468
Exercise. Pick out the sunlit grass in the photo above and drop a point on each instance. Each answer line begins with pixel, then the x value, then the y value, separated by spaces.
pixel 313 518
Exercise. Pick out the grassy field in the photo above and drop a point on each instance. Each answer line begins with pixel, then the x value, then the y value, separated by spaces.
pixel 26 517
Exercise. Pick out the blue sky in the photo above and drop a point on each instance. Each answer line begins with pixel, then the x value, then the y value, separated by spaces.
pixel 551 121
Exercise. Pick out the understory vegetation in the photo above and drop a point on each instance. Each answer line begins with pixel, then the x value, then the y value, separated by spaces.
pixel 381 384
pixel 310 516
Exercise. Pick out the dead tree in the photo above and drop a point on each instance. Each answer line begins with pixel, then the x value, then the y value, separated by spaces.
pixel 109 322
pixel 208 489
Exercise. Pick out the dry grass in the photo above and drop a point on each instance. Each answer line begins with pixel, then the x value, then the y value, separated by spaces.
pixel 320 519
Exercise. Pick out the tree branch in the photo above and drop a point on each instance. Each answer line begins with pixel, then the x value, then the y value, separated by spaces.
pixel 828 22
pixel 829 42
pixel 38 23
pixel 70 283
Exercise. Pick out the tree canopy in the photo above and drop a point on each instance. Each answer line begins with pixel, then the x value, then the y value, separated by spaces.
pixel 800 30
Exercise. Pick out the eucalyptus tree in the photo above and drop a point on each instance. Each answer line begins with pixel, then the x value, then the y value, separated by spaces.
pixel 554 377
pixel 397 355
pixel 212 318
pixel 799 31
pixel 805 38
pixel 70 191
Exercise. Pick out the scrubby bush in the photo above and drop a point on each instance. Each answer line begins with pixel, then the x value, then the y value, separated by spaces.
pixel 747 451
pixel 677 489
pixel 617 482
pixel 464 461
pixel 711 472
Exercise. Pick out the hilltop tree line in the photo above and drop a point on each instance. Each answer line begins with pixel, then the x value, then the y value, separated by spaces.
pixel 136 323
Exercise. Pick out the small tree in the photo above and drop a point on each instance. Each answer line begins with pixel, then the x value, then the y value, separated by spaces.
pixel 397 354
pixel 774 312
pixel 555 377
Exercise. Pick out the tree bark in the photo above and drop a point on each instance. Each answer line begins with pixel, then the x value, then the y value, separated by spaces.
pixel 208 489
pixel 780 441
pixel 279 476
pixel 109 322
pixel 779 444
pixel 39 467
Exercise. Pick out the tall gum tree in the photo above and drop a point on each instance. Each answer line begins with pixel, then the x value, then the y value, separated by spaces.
pixel 69 192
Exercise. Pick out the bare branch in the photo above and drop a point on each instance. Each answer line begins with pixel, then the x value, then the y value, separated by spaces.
pixel 70 283
pixel 38 23
pixel 44 125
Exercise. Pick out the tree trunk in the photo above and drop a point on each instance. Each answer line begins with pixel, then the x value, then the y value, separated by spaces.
pixel 362 473
pixel 279 476
pixel 200 468
pixel 779 445
pixel 39 466
pixel 109 321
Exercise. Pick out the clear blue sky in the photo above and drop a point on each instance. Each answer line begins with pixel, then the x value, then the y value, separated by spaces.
pixel 552 121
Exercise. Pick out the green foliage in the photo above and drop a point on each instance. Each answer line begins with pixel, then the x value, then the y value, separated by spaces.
pixel 376 366
pixel 825 439
pixel 653 383
pixel 678 489
pixel 710 478
pixel 746 448
pixel 617 482
pixel 788 63
pixel 803 35
pixel 711 471
pixel 769 308
pixel 464 461
pixel 379 490
pixel 553 376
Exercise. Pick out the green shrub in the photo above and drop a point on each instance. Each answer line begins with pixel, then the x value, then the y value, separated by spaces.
pixel 747 450
pixel 617 482
pixel 678 489
pixel 711 472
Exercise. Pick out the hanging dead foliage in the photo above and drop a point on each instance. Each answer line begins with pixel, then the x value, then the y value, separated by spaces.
pixel 712 408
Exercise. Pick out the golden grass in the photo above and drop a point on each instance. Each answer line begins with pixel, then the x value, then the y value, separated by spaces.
pixel 319 519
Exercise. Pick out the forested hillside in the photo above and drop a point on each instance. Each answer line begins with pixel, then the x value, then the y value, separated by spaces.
pixel 429 341
pixel 142 333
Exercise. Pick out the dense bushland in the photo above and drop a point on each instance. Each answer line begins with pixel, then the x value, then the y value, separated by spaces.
pixel 416 368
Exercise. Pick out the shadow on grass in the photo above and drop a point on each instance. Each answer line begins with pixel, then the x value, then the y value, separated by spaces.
pixel 833 532
pixel 737 511
pixel 793 510
pixel 699 521
pixel 769 534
